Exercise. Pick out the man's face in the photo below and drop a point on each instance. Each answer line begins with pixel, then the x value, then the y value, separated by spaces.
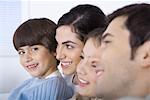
pixel 119 69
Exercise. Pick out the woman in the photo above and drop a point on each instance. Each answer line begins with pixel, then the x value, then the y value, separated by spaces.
pixel 73 26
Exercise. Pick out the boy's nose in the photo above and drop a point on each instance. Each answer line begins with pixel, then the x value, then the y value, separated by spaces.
pixel 28 57
pixel 81 69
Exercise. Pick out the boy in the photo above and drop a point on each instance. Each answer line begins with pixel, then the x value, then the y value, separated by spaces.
pixel 35 43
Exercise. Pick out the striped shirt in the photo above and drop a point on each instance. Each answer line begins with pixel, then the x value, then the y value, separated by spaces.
pixel 53 87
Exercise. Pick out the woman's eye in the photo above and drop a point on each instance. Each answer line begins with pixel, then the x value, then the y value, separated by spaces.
pixel 69 46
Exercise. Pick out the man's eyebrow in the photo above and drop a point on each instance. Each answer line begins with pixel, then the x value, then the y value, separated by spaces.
pixel 106 35
pixel 69 42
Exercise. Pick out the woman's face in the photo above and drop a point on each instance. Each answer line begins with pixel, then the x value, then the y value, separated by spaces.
pixel 68 49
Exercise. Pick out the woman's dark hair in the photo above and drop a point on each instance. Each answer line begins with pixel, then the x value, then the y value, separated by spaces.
pixel 36 32
pixel 83 19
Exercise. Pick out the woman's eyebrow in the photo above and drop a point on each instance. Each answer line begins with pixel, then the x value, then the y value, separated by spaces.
pixel 68 42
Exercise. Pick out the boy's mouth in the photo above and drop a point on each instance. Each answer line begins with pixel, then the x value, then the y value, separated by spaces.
pixel 32 67
pixel 83 83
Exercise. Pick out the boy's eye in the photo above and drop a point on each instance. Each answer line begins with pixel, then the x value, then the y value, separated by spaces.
pixel 21 52
pixel 81 57
pixel 94 66
pixel 35 49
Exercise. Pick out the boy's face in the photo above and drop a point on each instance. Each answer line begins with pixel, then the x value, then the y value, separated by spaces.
pixel 37 60
pixel 119 70
pixel 68 49
pixel 87 68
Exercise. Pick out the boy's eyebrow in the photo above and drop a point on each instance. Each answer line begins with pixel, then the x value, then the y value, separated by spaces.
pixel 69 42
pixel 82 53
pixel 106 35
pixel 19 49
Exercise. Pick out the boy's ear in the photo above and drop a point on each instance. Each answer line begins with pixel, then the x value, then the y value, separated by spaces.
pixel 143 55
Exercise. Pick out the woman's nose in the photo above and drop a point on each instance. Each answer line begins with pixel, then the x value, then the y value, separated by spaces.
pixel 60 53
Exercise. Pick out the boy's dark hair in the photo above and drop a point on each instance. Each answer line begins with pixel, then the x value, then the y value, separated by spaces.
pixel 138 23
pixel 83 19
pixel 36 32
pixel 96 34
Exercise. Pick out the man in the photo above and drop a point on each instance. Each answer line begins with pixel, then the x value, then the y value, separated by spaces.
pixel 125 55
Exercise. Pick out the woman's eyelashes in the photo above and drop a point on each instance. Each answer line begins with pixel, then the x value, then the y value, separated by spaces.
pixel 68 46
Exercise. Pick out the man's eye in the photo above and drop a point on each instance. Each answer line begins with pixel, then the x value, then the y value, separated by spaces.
pixel 106 41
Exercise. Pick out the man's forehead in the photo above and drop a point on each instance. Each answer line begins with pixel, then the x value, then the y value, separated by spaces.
pixel 117 24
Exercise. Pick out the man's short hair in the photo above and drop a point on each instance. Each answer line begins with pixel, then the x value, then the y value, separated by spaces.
pixel 138 23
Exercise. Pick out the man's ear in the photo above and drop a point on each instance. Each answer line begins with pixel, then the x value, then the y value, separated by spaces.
pixel 143 54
